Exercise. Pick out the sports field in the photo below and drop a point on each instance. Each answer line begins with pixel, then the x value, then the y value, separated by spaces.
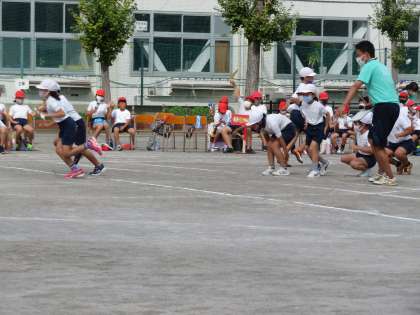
pixel 203 233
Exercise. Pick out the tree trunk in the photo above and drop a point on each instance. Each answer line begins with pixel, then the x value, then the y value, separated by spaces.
pixel 394 69
pixel 106 83
pixel 253 67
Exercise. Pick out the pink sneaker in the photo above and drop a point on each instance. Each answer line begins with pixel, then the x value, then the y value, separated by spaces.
pixel 92 144
pixel 75 174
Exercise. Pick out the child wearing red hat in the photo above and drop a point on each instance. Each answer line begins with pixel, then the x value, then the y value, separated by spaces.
pixel 98 111
pixel 222 120
pixel 122 123
pixel 19 114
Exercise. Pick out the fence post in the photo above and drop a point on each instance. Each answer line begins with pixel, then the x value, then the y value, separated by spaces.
pixel 294 68
pixel 21 58
pixel 386 56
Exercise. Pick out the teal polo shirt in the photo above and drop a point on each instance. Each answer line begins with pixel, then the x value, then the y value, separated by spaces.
pixel 379 83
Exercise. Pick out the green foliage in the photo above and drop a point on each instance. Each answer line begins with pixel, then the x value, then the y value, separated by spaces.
pixel 187 111
pixel 201 111
pixel 393 19
pixel 271 22
pixel 105 27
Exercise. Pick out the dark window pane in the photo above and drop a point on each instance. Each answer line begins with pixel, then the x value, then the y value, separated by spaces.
pixel 49 17
pixel 141 46
pixel 413 32
pixel 142 18
pixel 356 67
pixel 284 59
pixel 411 61
pixel 336 28
pixel 168 54
pixel 308 27
pixel 49 53
pixel 16 16
pixel 360 29
pixel 196 55
pixel 335 58
pixel 76 57
pixel 167 23
pixel 220 27
pixel 196 24
pixel 71 9
pixel 222 57
pixel 308 54
pixel 11 52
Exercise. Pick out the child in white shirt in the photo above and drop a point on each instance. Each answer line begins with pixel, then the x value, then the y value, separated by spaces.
pixel 19 114
pixel 122 123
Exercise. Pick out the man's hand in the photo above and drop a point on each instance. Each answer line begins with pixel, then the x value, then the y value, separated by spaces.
pixel 355 148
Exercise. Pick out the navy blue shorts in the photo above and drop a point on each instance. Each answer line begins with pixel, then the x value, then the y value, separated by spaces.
pixel 288 133
pixel 80 132
pixel 342 131
pixel 297 119
pixel 370 159
pixel 315 133
pixel 384 117
pixel 119 125
pixel 20 121
pixel 408 145
pixel 67 132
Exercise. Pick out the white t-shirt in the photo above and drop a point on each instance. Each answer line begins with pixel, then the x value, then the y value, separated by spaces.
pixel 275 123
pixel 262 108
pixel 20 111
pixel 223 118
pixel 242 110
pixel 416 123
pixel 403 122
pixel 293 107
pixel 363 141
pixel 2 110
pixel 313 113
pixel 54 106
pixel 101 109
pixel 69 109
pixel 121 116
pixel 344 122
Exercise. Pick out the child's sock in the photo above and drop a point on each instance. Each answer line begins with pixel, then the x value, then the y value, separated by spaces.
pixel 315 166
pixel 322 160
pixel 74 167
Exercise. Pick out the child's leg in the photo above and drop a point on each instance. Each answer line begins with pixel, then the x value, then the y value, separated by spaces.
pixel 347 158
pixel 117 136
pixel 90 156
pixel 278 153
pixel 107 132
pixel 334 142
pixel 29 132
pixel 344 141
pixel 19 131
pixel 401 154
pixel 227 136
pixel 3 137
pixel 314 149
pixel 97 131
pixel 132 133
pixel 270 154
pixel 359 164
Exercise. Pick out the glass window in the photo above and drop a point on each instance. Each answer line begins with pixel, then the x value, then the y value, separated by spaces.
pixel 411 61
pixel 11 52
pixel 196 55
pixel 308 54
pixel 49 53
pixel 142 22
pixel 167 23
pixel 308 27
pixel 71 9
pixel 220 27
pixel 49 17
pixel 76 57
pixel 413 32
pixel 222 57
pixel 336 28
pixel 16 16
pixel 167 55
pixel 196 24
pixel 141 46
pixel 335 58
pixel 284 58
pixel 360 29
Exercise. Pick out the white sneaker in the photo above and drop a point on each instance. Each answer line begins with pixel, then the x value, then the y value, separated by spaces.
pixel 323 168
pixel 269 171
pixel 314 173
pixel 281 172
pixel 386 181
pixel 367 173
pixel 339 151
pixel 375 178
pixel 214 149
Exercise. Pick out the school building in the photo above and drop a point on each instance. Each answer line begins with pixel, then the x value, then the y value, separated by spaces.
pixel 186 50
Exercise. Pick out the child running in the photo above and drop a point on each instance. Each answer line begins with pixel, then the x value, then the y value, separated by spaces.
pixel 19 114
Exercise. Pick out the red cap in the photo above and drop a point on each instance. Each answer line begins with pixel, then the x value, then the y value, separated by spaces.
pixel 122 99
pixel 100 93
pixel 417 107
pixel 404 94
pixel 282 105
pixel 323 96
pixel 256 95
pixel 410 103
pixel 20 94
pixel 223 104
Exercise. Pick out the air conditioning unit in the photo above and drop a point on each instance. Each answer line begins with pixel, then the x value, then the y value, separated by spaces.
pixel 151 91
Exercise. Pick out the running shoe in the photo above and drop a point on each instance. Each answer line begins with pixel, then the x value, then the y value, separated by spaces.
pixel 386 181
pixel 408 168
pixel 250 151
pixel 93 145
pixel 76 173
pixel 339 151
pixel 98 170
pixel 314 173
pixel 375 178
pixel 269 171
pixel 214 149
pixel 119 148
pixel 281 172
pixel 323 168
pixel 298 156
pixel 29 147
pixel 228 150
pixel 366 173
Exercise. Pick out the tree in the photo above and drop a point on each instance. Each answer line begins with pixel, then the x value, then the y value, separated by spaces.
pixel 105 27
pixel 263 22
pixel 393 19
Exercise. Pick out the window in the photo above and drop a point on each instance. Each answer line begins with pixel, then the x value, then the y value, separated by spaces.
pixel 141 46
pixel 167 54
pixel 49 53
pixel 196 55
pixel 140 19
pixel 411 61
pixel 360 29
pixel 16 16
pixel 196 24
pixel 336 28
pixel 222 57
pixel 284 58
pixel 308 54
pixel 413 32
pixel 76 57
pixel 167 23
pixel 335 58
pixel 71 9
pixel 308 27
pixel 12 50
pixel 49 17
pixel 220 27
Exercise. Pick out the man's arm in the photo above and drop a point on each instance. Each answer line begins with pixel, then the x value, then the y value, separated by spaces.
pixel 350 95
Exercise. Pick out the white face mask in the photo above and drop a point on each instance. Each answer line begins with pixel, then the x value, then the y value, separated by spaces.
pixel 308 99
pixel 100 99
pixel 43 94
pixel 19 101
pixel 360 61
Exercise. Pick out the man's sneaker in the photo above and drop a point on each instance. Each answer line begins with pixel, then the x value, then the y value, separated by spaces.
pixel 249 151
pixel 366 173
pixel 228 150
pixel 93 145
pixel 386 181
pixel 269 171
pixel 76 173
pixel 375 178
pixel 314 173
pixel 281 172
pixel 98 170
pixel 29 147
pixel 323 168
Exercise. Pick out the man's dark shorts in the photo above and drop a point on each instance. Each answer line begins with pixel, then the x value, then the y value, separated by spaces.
pixel 384 117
